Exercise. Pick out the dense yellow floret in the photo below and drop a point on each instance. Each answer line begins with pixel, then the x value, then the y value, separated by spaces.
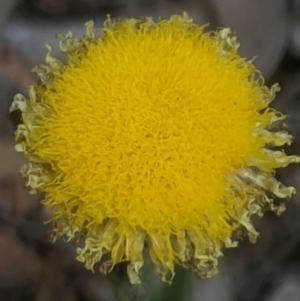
pixel 152 134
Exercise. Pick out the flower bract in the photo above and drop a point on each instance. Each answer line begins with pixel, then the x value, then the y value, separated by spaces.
pixel 155 136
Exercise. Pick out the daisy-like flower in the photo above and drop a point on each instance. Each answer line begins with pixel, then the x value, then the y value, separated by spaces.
pixel 156 136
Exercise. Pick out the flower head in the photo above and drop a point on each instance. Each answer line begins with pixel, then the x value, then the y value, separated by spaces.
pixel 156 135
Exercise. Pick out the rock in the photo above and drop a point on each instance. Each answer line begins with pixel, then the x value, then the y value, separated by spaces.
pixel 62 8
pixel 30 37
pixel 214 289
pixel 261 28
pixel 20 268
pixel 288 289
pixel 6 7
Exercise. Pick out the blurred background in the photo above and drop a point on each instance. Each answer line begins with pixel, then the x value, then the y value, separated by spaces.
pixel 33 269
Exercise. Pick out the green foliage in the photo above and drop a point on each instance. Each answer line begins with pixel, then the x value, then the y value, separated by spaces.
pixel 180 290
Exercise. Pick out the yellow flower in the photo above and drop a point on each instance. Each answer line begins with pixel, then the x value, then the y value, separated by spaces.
pixel 156 135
